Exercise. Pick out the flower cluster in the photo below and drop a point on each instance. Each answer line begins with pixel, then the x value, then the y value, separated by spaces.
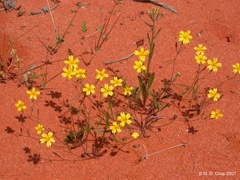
pixel 124 119
pixel 46 138
pixel 185 37
pixel 72 69
pixel 139 64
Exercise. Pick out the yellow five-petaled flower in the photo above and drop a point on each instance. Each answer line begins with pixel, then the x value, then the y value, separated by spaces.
pixel 33 94
pixel 20 105
pixel 116 82
pixel 115 127
pixel 141 54
pixel 39 128
pixel 216 114
pixel 107 90
pixel 200 49
pixel 135 135
pixel 213 65
pixel 89 89
pixel 185 37
pixel 201 59
pixel 127 90
pixel 48 139
pixel 101 74
pixel 139 66
pixel 80 73
pixel 124 119
pixel 72 62
pixel 236 68
pixel 68 72
pixel 213 93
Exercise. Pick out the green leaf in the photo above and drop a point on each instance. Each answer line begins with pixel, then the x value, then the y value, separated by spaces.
pixel 107 119
pixel 157 33
pixel 83 27
pixel 149 40
pixel 195 91
pixel 142 86
pixel 150 81
pixel 148 24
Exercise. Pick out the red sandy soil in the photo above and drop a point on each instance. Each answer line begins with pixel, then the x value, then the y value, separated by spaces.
pixel 214 148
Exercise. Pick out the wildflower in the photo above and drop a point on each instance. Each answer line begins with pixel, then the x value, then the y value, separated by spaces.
pixel 200 49
pixel 20 106
pixel 89 89
pixel 33 93
pixel 127 90
pixel 101 74
pixel 39 128
pixel 213 64
pixel 141 54
pixel 80 73
pixel 139 66
pixel 185 37
pixel 201 59
pixel 212 93
pixel 47 138
pixel 216 114
pixel 72 62
pixel 107 90
pixel 135 135
pixel 68 73
pixel 115 128
pixel 236 68
pixel 116 82
pixel 124 118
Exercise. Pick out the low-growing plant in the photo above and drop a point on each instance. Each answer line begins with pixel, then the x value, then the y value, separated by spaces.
pixel 117 113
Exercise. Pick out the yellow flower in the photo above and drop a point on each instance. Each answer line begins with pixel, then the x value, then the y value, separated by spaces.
pixel 39 128
pixel 213 64
pixel 20 106
pixel 236 68
pixel 141 54
pixel 89 89
pixel 185 37
pixel 101 74
pixel 216 114
pixel 115 128
pixel 68 73
pixel 135 135
pixel 72 62
pixel 80 73
pixel 139 66
pixel 48 139
pixel 107 90
pixel 116 82
pixel 33 93
pixel 124 118
pixel 127 90
pixel 212 93
pixel 201 59
pixel 200 49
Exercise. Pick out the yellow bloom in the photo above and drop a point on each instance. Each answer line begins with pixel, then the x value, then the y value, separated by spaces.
pixel 185 37
pixel 48 139
pixel 33 93
pixel 68 73
pixel 72 62
pixel 135 135
pixel 115 128
pixel 116 82
pixel 107 90
pixel 127 90
pixel 216 114
pixel 212 93
pixel 201 59
pixel 124 118
pixel 20 106
pixel 39 128
pixel 141 54
pixel 200 49
pixel 213 64
pixel 139 66
pixel 89 89
pixel 101 74
pixel 80 73
pixel 236 68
